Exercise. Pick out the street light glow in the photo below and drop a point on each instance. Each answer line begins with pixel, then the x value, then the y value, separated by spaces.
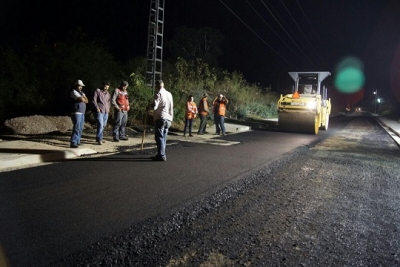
pixel 377 100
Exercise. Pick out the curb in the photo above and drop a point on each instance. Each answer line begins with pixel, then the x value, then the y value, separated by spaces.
pixel 26 159
pixel 391 131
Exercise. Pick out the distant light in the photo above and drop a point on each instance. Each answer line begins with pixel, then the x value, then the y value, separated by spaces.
pixel 379 100
pixel 349 75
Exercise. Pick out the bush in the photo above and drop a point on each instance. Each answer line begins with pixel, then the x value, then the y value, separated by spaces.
pixel 40 75
pixel 196 77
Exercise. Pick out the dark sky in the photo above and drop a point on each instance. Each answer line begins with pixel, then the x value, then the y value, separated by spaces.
pixel 264 39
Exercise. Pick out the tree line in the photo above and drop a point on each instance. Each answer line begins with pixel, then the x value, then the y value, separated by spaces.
pixel 37 73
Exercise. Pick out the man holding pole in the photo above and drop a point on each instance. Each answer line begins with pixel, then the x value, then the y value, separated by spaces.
pixel 163 115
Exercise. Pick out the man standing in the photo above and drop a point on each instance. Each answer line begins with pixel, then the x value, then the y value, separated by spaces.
pixel 163 116
pixel 203 111
pixel 78 110
pixel 120 103
pixel 219 104
pixel 101 101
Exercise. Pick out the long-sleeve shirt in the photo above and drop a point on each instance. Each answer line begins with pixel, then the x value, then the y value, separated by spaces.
pixel 163 105
pixel 191 110
pixel 203 106
pixel 101 100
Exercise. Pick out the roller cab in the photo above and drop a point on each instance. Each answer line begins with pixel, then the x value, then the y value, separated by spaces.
pixel 306 110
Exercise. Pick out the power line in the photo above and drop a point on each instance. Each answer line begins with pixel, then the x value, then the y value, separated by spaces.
pixel 279 17
pixel 309 23
pixel 288 34
pixel 270 27
pixel 302 32
pixel 296 23
pixel 270 47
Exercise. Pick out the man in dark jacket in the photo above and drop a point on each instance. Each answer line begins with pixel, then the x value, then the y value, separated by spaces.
pixel 78 110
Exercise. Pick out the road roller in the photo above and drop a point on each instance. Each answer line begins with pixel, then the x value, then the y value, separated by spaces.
pixel 305 110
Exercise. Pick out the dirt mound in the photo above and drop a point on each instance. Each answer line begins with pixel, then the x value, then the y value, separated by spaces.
pixel 39 124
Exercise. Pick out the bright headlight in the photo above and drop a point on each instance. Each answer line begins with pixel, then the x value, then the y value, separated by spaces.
pixel 312 105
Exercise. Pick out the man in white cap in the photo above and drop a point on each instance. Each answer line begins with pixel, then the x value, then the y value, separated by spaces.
pixel 220 102
pixel 78 110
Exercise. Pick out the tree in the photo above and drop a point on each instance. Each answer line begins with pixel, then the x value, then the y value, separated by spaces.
pixel 37 77
pixel 191 44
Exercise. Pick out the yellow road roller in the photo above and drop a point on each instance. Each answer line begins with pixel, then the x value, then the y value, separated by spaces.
pixel 306 110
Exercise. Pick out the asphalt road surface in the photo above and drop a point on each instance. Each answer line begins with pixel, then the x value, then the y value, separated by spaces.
pixel 270 199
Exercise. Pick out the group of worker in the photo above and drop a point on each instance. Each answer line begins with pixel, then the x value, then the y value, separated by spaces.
pixel 219 104
pixel 102 101
pixel 162 105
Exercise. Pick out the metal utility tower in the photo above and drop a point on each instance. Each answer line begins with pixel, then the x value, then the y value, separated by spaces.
pixel 155 42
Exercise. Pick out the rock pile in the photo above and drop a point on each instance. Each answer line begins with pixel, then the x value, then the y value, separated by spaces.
pixel 39 124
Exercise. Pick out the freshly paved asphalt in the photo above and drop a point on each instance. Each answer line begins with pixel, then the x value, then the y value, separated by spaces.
pixel 20 153
pixel 49 211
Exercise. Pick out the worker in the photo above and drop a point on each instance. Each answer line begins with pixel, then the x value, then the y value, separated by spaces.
pixel 191 113
pixel 203 111
pixel 163 115
pixel 219 104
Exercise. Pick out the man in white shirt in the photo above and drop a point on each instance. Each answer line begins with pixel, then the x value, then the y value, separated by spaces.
pixel 163 116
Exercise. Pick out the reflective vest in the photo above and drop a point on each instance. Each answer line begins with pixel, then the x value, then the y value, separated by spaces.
pixel 220 107
pixel 122 100
pixel 203 106
pixel 191 110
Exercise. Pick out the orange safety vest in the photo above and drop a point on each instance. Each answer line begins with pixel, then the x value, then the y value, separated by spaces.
pixel 220 107
pixel 203 106
pixel 191 110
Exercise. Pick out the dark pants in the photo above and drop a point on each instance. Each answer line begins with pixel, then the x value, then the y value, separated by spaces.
pixel 203 124
pixel 188 124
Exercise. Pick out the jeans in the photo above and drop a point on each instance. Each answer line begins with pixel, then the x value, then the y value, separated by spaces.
pixel 161 132
pixel 203 124
pixel 78 120
pixel 188 123
pixel 219 123
pixel 101 124
pixel 121 118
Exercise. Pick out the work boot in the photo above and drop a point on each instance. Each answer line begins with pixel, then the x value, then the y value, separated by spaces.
pixel 158 158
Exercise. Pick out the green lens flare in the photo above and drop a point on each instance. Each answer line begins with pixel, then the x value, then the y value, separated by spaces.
pixel 349 80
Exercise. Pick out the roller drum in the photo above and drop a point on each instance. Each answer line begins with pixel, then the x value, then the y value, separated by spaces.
pixel 298 122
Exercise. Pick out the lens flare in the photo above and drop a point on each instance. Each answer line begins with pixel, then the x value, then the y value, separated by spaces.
pixel 349 75
pixel 395 74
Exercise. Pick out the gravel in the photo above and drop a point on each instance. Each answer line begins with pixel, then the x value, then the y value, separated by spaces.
pixel 333 204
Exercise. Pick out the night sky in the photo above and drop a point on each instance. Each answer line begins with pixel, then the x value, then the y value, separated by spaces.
pixel 264 39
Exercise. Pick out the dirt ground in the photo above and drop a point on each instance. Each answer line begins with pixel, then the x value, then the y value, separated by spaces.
pixel 333 204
